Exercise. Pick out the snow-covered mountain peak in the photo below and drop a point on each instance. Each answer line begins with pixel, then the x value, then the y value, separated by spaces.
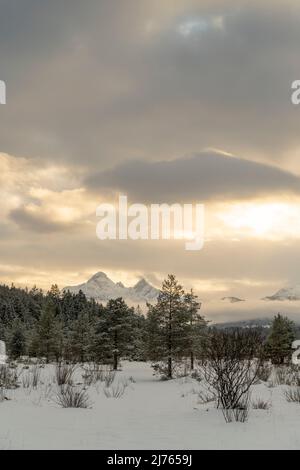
pixel 288 293
pixel 99 277
pixel 141 284
pixel 101 288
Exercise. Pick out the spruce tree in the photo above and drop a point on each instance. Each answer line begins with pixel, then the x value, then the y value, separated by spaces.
pixel 48 338
pixel 115 331
pixel 196 325
pixel 17 342
pixel 82 336
pixel 279 341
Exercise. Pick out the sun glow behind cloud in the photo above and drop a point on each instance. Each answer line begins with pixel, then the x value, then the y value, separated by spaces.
pixel 266 220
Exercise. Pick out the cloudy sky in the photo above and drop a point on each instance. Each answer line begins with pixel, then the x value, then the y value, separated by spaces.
pixel 162 100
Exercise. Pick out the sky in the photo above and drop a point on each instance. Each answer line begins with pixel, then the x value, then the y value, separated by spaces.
pixel 165 101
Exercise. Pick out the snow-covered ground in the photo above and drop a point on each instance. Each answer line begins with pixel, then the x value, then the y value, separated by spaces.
pixel 152 414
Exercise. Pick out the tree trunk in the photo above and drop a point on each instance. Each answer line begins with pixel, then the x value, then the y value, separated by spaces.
pixel 115 350
pixel 170 367
pixel 115 361
pixel 192 360
pixel 170 343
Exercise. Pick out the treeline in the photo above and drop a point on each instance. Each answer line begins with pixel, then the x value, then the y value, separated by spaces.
pixel 66 326
pixel 62 325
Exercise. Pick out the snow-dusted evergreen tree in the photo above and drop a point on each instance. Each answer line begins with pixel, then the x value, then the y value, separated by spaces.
pixel 168 327
pixel 47 338
pixel 82 337
pixel 114 332
pixel 17 340
pixel 279 341
pixel 196 325
pixel 137 350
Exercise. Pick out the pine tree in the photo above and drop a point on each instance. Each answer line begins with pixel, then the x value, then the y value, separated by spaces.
pixel 196 325
pixel 279 341
pixel 168 324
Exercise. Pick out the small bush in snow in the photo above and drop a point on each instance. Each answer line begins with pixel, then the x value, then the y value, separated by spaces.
pixel 281 375
pixel 239 413
pixel 36 375
pixel 94 373
pixel 64 373
pixel 72 397
pixel 109 377
pixel 292 395
pixel 31 378
pixel 206 397
pixel 115 391
pixel 294 376
pixel 264 372
pixel 8 377
pixel 2 396
pixel 233 360
pixel 260 404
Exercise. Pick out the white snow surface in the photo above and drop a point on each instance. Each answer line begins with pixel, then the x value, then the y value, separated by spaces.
pixel 152 414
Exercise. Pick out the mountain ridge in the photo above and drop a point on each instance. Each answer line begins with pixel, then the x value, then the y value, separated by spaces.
pixel 287 293
pixel 101 288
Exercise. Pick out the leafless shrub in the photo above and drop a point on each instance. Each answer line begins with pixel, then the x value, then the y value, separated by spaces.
pixel 26 380
pixel 294 376
pixel 292 394
pixel 179 370
pixel 109 377
pixel 282 375
pixel 31 378
pixel 64 373
pixel 72 397
pixel 260 404
pixel 206 397
pixel 197 375
pixel 2 395
pixel 115 391
pixel 36 375
pixel 8 377
pixel 239 413
pixel 264 372
pixel 94 373
pixel 232 362
pixel 88 379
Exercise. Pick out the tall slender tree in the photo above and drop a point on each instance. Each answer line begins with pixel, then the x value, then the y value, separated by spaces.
pixel 196 325
pixel 168 324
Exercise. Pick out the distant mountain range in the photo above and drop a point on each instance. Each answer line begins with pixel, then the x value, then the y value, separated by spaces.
pixel 233 300
pixel 253 323
pixel 289 293
pixel 101 288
